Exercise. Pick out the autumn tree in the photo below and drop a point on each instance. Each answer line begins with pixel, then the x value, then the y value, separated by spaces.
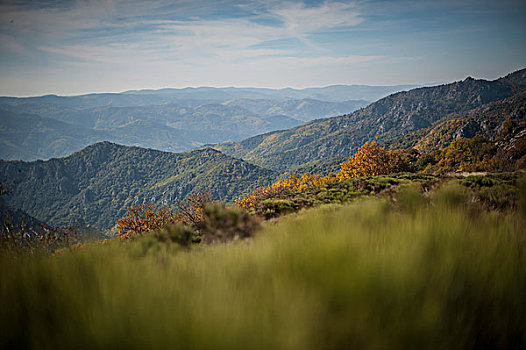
pixel 191 210
pixel 474 154
pixel 370 160
pixel 144 217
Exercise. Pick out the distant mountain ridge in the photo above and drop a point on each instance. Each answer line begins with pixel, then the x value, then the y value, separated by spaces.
pixel 389 118
pixel 180 119
pixel 332 93
pixel 16 220
pixel 97 184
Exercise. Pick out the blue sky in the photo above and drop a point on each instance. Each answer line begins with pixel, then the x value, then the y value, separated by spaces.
pixel 72 47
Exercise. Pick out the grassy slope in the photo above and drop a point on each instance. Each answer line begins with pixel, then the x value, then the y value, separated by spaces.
pixel 428 272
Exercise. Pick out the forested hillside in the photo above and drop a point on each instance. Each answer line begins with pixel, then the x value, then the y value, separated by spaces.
pixel 389 118
pixel 487 120
pixel 96 185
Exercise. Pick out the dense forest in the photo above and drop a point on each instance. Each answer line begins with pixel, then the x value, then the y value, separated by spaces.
pixel 96 185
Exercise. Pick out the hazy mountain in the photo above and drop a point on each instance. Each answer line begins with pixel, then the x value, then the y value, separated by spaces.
pixel 347 92
pixel 173 120
pixel 333 93
pixel 304 110
pixel 97 184
pixel 391 117
pixel 29 136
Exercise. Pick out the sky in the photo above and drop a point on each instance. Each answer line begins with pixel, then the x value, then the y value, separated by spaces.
pixel 73 47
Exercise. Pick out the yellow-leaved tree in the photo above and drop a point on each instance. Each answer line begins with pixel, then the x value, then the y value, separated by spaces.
pixel 142 218
pixel 370 160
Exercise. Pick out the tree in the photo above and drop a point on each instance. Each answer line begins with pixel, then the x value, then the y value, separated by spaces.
pixel 191 210
pixel 370 160
pixel 474 154
pixel 144 217
pixel 282 189
pixel 403 160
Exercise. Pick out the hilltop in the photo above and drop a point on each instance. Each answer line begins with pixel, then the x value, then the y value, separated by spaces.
pixel 97 184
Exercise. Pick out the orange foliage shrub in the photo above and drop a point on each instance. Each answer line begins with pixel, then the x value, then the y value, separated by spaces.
pixel 299 183
pixel 191 211
pixel 372 159
pixel 144 217
pixel 283 188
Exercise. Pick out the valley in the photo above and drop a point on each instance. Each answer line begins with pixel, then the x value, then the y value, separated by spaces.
pixel 174 120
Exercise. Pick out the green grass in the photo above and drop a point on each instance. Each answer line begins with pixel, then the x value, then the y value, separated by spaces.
pixel 423 272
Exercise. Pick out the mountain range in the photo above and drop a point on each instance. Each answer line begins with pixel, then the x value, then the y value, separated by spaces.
pixel 392 117
pixel 94 186
pixel 174 120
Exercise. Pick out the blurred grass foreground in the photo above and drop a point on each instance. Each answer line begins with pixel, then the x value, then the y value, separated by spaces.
pixel 431 271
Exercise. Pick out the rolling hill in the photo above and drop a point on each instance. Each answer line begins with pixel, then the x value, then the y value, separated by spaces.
pixel 96 185
pixel 30 134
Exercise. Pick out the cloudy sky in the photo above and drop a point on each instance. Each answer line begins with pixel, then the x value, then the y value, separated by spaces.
pixel 71 47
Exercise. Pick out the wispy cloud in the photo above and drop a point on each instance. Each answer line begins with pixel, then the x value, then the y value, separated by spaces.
pixel 109 44
pixel 10 44
pixel 300 19
pixel 158 27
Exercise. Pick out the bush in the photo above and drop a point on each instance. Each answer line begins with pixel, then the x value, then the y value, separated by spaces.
pixel 142 218
pixel 276 207
pixel 221 224
pixel 170 238
pixel 496 191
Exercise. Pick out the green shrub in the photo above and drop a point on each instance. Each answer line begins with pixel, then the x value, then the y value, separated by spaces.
pixel 276 207
pixel 480 181
pixel 496 191
pixel 221 224
pixel 408 198
pixel 171 238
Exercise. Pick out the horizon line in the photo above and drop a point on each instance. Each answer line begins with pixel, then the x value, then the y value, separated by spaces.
pixel 414 85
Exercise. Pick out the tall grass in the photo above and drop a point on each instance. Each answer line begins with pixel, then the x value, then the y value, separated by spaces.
pixel 434 272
